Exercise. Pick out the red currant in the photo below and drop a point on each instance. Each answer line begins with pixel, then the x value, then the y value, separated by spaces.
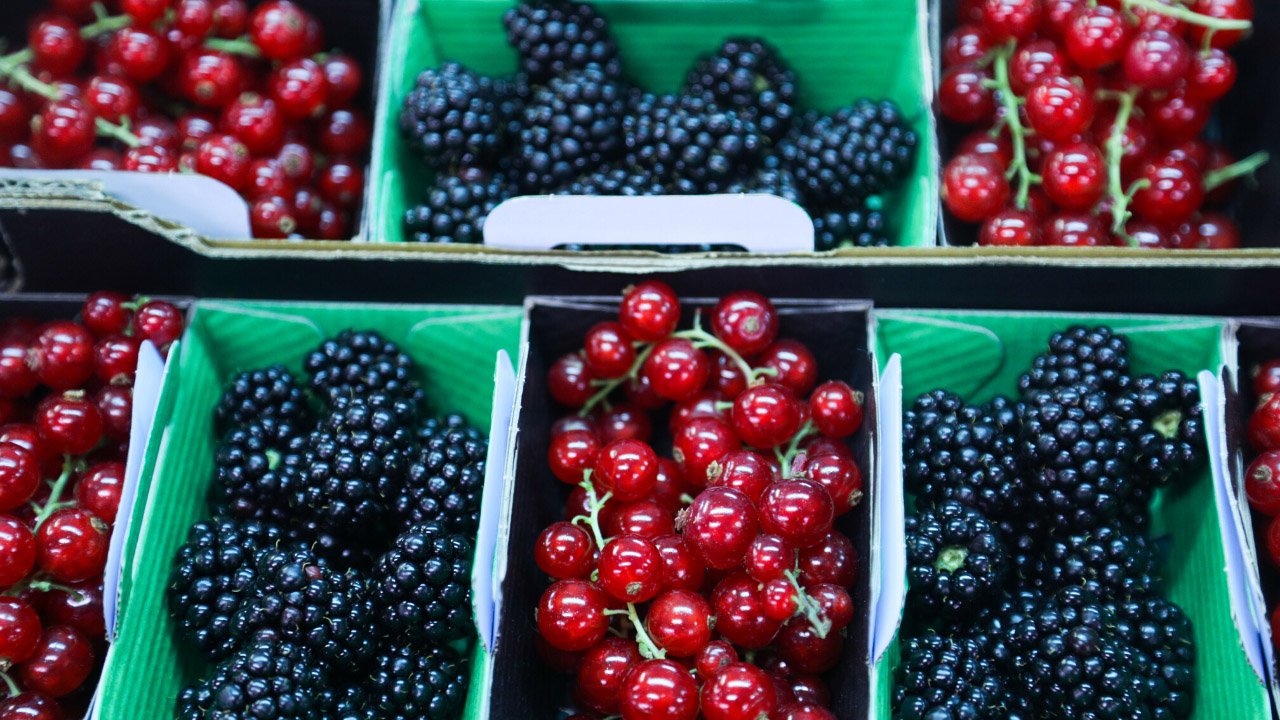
pixel 742 470
pixel 564 551
pixel 1156 59
pixel 1075 176
pixel 72 545
pixel 160 322
pixel 677 369
pixel 1266 378
pixel 30 706
pixel 17 376
pixel 780 600
pixel 1222 10
pixel 768 557
pixel 659 690
pixel 668 486
pixel 1010 228
pixel 967 43
pixel 701 404
pixel 801 646
pixel 342 78
pixel 767 416
pixel 141 53
pixel 714 656
pixel 1212 75
pixel 61 663
pixel 837 606
pixel 115 404
pixel 211 78
pixel 626 468
pixel 569 381
pixel 1174 192
pixel 601 672
pixel 17 551
pixel 809 689
pixel 981 142
pixel 720 526
pixel 19 477
pixel 226 159
pixel 1033 62
pixel 1175 117
pixel 116 359
pixel 271 217
pixel 630 569
pixel 834 560
pixel 739 611
pixel 56 45
pixel 681 569
pixel 650 311
pixel 974 187
pixel 144 12
pixel 795 367
pixel 69 424
pixel 740 691
pixel 194 18
pixel 964 95
pixel 64 355
pixel 679 622
pixel 256 122
pixel 79 607
pixel 798 510
pixel 806 711
pixel 836 409
pixel 609 350
pixel 745 321
pixel 64 131
pixel 571 615
pixel 841 479
pixel 19 631
pixel 341 183
pixel 299 89
pixel 343 132
pixel 644 518
pixel 15 117
pixel 278 28
pixel 1210 231
pixel 1097 37
pixel 698 444
pixel 1058 108
pixel 98 490
pixel 298 161
pixel 1262 483
pixel 1074 230
pixel 230 18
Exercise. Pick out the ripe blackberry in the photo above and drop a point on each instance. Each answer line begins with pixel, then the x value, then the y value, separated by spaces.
pixel 1023 537
pixel 446 478
pixel 770 179
pixel 1096 357
pixel 356 463
pixel 553 37
pixel 344 551
pixel 858 151
pixel 957 452
pixel 213 573
pixel 254 395
pixel 1006 411
pixel 269 679
pixel 1165 423
pixel 353 703
pixel 947 677
pixel 513 92
pixel 355 363
pixel 613 180
pixel 690 145
pixel 297 597
pixel 1078 458
pixel 455 206
pixel 571 125
pixel 1110 562
pixel 747 76
pixel 1162 633
pixel 955 561
pixel 409 683
pixel 423 586
pixel 250 470
pixel 859 227
pixel 452 117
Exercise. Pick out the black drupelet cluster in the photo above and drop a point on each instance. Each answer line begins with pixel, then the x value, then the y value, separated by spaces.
pixel 570 122
pixel 1034 589
pixel 334 578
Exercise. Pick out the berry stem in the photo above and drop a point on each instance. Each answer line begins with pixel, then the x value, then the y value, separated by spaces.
pixel 55 493
pixel 37 584
pixel 10 686
pixel 608 386
pixel 1017 134
pixel 1115 153
pixel 809 607
pixel 25 80
pixel 1237 169
pixel 594 505
pixel 788 457
pixel 241 46
pixel 1188 16
pixel 648 648
pixel 702 339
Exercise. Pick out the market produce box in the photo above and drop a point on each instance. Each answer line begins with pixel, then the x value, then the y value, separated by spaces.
pixel 454 347
pixel 521 681
pixel 980 355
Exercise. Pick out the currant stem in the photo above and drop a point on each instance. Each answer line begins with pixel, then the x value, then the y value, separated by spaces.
pixel 648 648
pixel 10 685
pixel 55 493
pixel 594 505
pixel 25 80
pixel 787 458
pixel 1115 153
pixel 809 607
pixel 1237 169
pixel 608 386
pixel 241 46
pixel 702 339
pixel 1193 18
pixel 1017 134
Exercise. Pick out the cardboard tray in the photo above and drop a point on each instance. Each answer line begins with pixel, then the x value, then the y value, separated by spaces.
pixel 980 354
pixel 519 684
pixel 454 346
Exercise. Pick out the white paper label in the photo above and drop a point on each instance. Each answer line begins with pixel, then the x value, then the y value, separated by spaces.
pixel 887 606
pixel 485 593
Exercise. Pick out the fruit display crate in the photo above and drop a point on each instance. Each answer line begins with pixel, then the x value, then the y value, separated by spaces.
pixel 519 684
pixel 454 347
pixel 980 354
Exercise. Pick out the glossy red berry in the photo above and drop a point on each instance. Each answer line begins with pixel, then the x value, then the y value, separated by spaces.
pixel 1156 59
pixel 116 359
pixel 1210 231
pixel 806 652
pixel 720 526
pixel 659 690
pixel 601 672
pixel 743 470
pixel 745 321
pixel 569 381
pixel 194 18
pixel 27 436
pixel 342 78
pixel 271 216
pixel 30 706
pixel 974 187
pixel 609 350
pixel 835 602
pixel 141 53
pixel 64 131
pixel 1212 75
pixel 626 468
pixel 69 424
pixel 800 511
pixel 833 560
pixel 681 569
pixel 17 374
pixel 841 479
pixel 1058 108
pixel 650 311
pixel 676 369
pixel 571 615
pixel 1173 193
pixel 63 355
pixel 19 631
pixel 343 132
pixel 79 607
pixel 72 545
pixel 19 477
pixel 115 404
pixel 967 43
pixel 836 409
pixel 1033 62
pixel 144 12
pixel 564 551
pixel 341 183
pixel 17 551
pixel 964 96
pixel 644 518
pixel 56 45
pixel 572 453
pixel 765 417
pixel 701 404
pixel 61 663
pixel 230 18
pixel 1005 20
pixel 1264 425
pixel 713 657
pixel 256 122
pixel 104 313
pixel 1075 176
pixel 740 613
pixel 669 486
pixel 727 379
pixel 794 365
pixel 225 158
pixel 211 78
pixel 630 569
pixel 1262 483
pixel 159 322
pixel 1222 10
pixel 15 117
pixel 1266 378
pixel 1174 116
pixel 299 89
pixel 980 142
pixel 98 490
pixel 278 28
pixel 579 504
pixel 768 557
pixel 298 161
pixel 806 711
pixel 1097 37
pixel 699 443
pixel 1067 229
pixel 780 600
pixel 740 691
pixel 679 622
pixel 1010 228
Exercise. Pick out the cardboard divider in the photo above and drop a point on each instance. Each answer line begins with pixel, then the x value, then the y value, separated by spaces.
pixel 223 338
pixel 1187 532
pixel 521 685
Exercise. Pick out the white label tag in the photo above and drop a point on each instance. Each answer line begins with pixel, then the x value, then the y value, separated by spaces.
pixel 485 593
pixel 887 606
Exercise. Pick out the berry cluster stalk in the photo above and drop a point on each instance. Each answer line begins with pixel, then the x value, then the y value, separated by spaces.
pixel 1240 168
pixel 1120 198
pixel 1180 12
pixel 1018 167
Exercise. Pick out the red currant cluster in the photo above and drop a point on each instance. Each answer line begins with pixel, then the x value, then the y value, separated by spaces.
pixel 730 543
pixel 66 399
pixel 1262 478
pixel 202 86
pixel 1091 115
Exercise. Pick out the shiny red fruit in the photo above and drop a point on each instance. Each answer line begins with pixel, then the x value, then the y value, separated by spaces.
pixel 676 369
pixel 745 321
pixel 609 350
pixel 116 359
pixel 72 545
pixel 1067 229
pixel 98 490
pixel 679 622
pixel 630 569
pixel 739 610
pixel 1097 37
pixel 278 28
pixel 1222 10
pixel 836 409
pixel 1075 176
pixel 780 600
pixel 713 657
pixel 659 690
pixel 571 615
pixel 63 355
pixel 743 470
pixel 64 131
pixel 801 647
pixel 78 607
pixel 1004 20
pixel 841 479
pixel 571 454
pixel 966 43
pixel 793 364
pixel 1059 109
pixel 681 569
pixel 626 468
pixel 141 53
pixel 974 187
pixel 644 518
pixel 20 476
pixel 1034 61
pixel 720 526
pixel 705 403
pixel 62 662
pixel 601 672
pixel 699 443
pixel 1262 483
pixel 19 631
pixel 833 560
pixel 298 87
pixel 964 96
pixel 69 424
pixel 564 551
pixel 650 311
pixel 17 551
pixel 769 557
pixel 799 510
pixel 1156 59
pixel 1174 192
pixel 806 711
pixel 765 417
pixel 56 45
pixel 1266 378
pixel 115 404
pixel 211 78
pixel 740 691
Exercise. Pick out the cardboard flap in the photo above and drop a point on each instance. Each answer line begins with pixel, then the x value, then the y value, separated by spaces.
pixel 242 334
pixel 979 347
pixel 890 547
pixel 755 223
pixel 485 597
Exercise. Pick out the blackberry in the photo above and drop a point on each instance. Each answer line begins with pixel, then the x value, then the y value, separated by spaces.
pixel 452 117
pixel 344 551
pixel 1023 537
pixel 423 587
pixel 1162 634
pixel 690 145
pixel 959 453
pixel 272 679
pixel 553 37
pixel 213 573
pixel 1109 562
pixel 1006 411
pixel 455 206
pixel 1095 357
pixel 613 180
pixel 360 362
pixel 770 180
pixel 297 597
pixel 513 92
pixel 356 463
pixel 1078 458
pixel 1165 423
pixel 858 151
pixel 946 677
pixel 858 227
pixel 747 76
pixel 353 703
pixel 410 683
pixel 571 126
pixel 446 478
pixel 250 470
pixel 955 561
pixel 255 395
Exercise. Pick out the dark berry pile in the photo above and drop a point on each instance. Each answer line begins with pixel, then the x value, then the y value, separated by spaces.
pixel 1034 590
pixel 334 579
pixel 247 92
pixel 570 122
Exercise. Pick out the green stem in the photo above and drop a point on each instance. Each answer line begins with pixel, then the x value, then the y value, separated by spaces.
pixel 55 493
pixel 240 46
pixel 1237 169
pixel 10 685
pixel 1017 134
pixel 594 505
pixel 788 458
pixel 39 584
pixel 23 78
pixel 648 648
pixel 1192 18
pixel 1115 154
pixel 608 386
pixel 702 339
pixel 809 607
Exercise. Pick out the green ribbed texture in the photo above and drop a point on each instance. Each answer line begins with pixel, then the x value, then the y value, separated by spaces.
pixel 981 354
pixel 455 347
pixel 841 50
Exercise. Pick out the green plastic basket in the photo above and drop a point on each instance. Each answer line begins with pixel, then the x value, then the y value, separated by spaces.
pixel 979 355
pixel 455 347
pixel 841 49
